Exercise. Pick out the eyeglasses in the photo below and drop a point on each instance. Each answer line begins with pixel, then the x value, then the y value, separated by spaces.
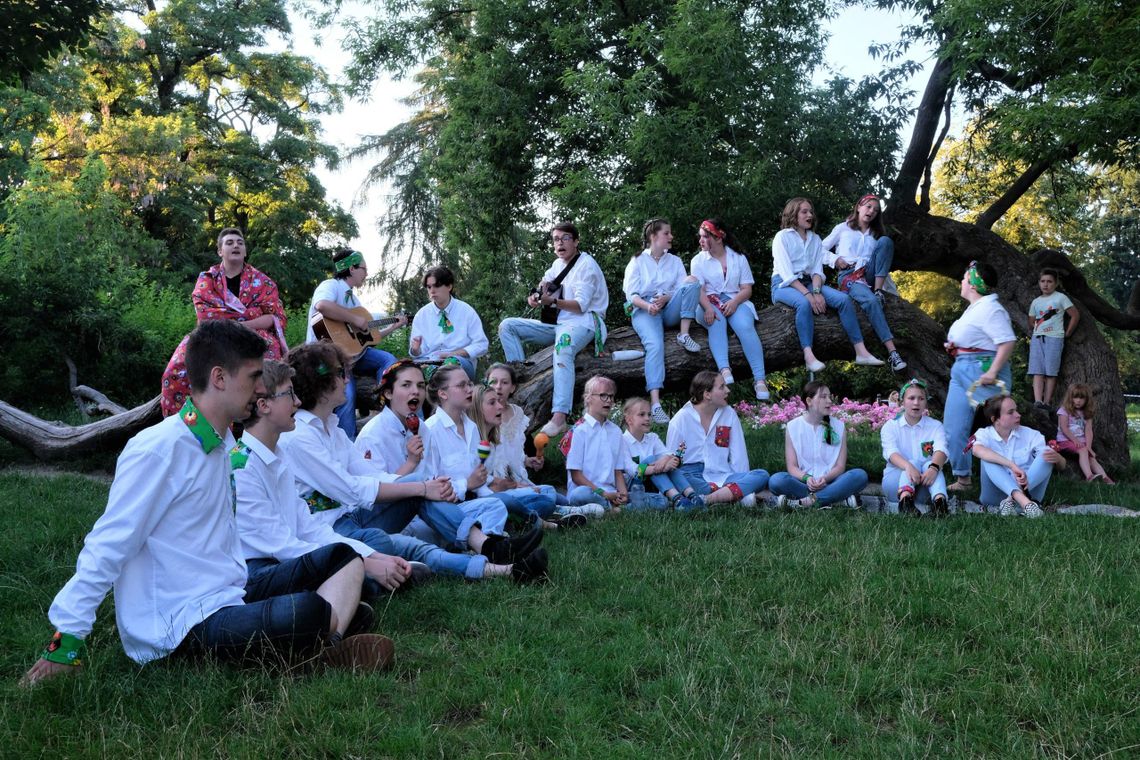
pixel 604 396
pixel 562 238
pixel 465 385
pixel 282 394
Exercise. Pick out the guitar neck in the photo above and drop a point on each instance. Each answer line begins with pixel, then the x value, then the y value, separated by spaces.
pixel 382 322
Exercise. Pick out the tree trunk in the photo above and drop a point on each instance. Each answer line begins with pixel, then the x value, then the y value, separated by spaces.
pixel 918 337
pixel 935 244
pixel 52 441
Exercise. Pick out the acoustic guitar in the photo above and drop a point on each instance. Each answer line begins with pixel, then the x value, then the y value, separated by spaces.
pixel 349 339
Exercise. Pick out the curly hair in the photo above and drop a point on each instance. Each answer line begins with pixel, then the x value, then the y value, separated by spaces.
pixel 317 366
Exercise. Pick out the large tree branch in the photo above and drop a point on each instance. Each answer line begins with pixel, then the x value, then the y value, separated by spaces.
pixel 1011 196
pixel 928 172
pixel 905 187
pixel 1003 76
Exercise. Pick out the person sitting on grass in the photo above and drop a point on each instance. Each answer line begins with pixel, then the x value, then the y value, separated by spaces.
pixel 1016 461
pixel 595 481
pixel 391 439
pixel 344 489
pixel 512 431
pixel 650 460
pixel 1075 431
pixel 914 445
pixel 168 543
pixel 815 449
pixel 715 461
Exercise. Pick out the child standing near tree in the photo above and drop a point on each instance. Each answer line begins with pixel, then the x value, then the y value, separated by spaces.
pixel 1048 312
pixel 1075 430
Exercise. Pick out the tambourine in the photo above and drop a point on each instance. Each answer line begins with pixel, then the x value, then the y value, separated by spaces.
pixel 973 386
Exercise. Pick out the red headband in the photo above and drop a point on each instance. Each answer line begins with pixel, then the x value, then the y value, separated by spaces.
pixel 708 226
pixel 867 197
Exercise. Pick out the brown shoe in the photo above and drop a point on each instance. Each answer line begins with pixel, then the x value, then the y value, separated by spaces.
pixel 365 652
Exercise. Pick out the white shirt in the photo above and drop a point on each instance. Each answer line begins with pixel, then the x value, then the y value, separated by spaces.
pixel 1022 447
pixel 468 334
pixel 814 456
pixel 335 290
pixel 273 521
pixel 648 278
pixel 984 325
pixel 852 245
pixel 1048 315
pixel 384 440
pixel 167 542
pixel 916 443
pixel 585 284
pixel 597 449
pixel 649 447
pixel 446 453
pixel 721 448
pixel 323 460
pixel 508 459
pixel 793 257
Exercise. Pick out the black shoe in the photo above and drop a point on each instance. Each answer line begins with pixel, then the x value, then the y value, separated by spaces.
pixel 939 507
pixel 421 574
pixel 906 506
pixel 503 550
pixel 568 522
pixel 361 621
pixel 532 568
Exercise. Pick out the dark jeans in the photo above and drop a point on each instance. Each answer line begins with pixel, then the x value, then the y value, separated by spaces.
pixel 282 614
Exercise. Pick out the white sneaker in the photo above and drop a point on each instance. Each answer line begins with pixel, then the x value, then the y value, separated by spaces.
pixel 868 361
pixel 1033 510
pixel 815 366
pixel 1008 507
pixel 853 502
pixel 588 510
pixel 761 389
pixel 552 430
pixel 726 373
pixel 782 503
pixel 689 344
pixel 658 415
pixel 749 500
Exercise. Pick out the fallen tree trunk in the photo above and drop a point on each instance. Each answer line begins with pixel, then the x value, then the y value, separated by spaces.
pixel 918 337
pixel 54 441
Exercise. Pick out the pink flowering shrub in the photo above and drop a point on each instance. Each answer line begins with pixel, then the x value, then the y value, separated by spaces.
pixel 861 418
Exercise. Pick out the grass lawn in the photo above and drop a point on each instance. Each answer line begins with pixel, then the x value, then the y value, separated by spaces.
pixel 717 635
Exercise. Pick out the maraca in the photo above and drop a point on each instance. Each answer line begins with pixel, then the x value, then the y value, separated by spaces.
pixel 540 441
pixel 412 423
pixel 484 450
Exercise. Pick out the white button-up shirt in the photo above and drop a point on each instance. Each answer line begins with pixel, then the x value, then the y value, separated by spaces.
pixel 322 459
pixel 598 450
pixel 384 440
pixel 447 453
pixel 793 257
pixel 335 290
pixel 649 447
pixel 852 245
pixel 1022 447
pixel 586 285
pixel 468 334
pixel 984 324
pixel 648 278
pixel 273 521
pixel 721 448
pixel 916 443
pixel 167 543
pixel 814 456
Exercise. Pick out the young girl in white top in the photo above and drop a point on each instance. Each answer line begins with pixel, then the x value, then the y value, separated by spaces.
pixel 815 447
pixel 659 295
pixel 651 462
pixel 1016 461
pixel 726 299
pixel 715 461
pixel 512 431
pixel 862 261
pixel 1075 430
pixel 797 281
pixel 914 445
pixel 595 479
pixel 392 437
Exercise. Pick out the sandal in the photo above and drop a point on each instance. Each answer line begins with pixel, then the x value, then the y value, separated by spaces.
pixel 960 485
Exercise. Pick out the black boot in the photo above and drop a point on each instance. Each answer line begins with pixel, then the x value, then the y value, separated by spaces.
pixel 532 568
pixel 503 550
pixel 906 506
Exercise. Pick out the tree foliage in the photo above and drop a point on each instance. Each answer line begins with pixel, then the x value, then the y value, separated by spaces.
pixel 32 31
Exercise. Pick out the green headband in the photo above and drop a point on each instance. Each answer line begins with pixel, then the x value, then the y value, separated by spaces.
pixel 355 258
pixel 976 279
pixel 914 381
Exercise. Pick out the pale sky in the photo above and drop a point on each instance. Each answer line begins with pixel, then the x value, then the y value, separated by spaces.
pixel 850 35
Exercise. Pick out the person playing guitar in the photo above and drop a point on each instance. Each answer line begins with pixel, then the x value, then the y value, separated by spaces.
pixel 575 286
pixel 334 300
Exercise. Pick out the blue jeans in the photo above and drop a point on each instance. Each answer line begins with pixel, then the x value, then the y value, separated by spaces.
pixel 894 477
pixel 998 482
pixel 398 545
pixel 847 484
pixel 958 416
pixel 752 481
pixel 664 481
pixel 805 320
pixel 862 294
pixel 372 362
pixel 282 613
pixel 651 329
pixel 455 521
pixel 514 332
pixel 388 516
pixel 525 501
pixel 646 501
pixel 743 323
pixel 579 495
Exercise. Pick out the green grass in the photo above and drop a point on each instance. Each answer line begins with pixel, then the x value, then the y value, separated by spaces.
pixel 718 635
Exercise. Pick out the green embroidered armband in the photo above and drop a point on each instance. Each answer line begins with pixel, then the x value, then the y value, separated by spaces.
pixel 239 456
pixel 65 649
pixel 318 502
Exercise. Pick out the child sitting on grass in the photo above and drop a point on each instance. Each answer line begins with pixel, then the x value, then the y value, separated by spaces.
pixel 914 445
pixel 715 461
pixel 815 448
pixel 1016 461
pixel 1075 430
pixel 595 480
pixel 650 460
